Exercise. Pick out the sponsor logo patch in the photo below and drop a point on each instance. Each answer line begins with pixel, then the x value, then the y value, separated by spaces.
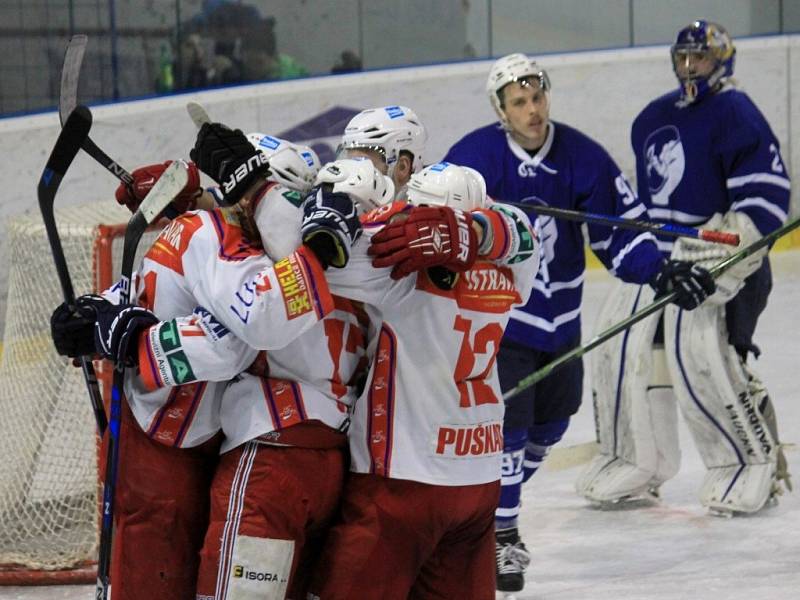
pixel 394 112
pixel 180 367
pixel 296 295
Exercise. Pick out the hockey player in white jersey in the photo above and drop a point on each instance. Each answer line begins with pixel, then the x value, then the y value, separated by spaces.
pixel 201 262
pixel 392 137
pixel 426 433
pixel 706 157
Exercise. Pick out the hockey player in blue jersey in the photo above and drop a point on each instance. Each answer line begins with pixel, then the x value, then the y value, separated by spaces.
pixel 705 156
pixel 527 157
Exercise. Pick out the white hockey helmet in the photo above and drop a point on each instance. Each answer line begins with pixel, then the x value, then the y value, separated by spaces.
pixel 294 165
pixel 387 130
pixel 359 179
pixel 446 184
pixel 511 68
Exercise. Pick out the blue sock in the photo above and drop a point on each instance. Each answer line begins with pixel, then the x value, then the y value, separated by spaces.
pixel 541 438
pixel 514 440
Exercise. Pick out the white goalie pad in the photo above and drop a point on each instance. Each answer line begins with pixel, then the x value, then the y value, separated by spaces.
pixel 720 398
pixel 635 413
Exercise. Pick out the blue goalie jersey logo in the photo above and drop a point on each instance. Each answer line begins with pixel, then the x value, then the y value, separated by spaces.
pixel 666 162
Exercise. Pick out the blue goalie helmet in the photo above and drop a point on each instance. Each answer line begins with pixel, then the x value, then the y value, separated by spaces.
pixel 703 56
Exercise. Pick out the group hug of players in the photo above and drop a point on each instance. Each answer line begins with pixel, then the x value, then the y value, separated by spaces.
pixel 320 352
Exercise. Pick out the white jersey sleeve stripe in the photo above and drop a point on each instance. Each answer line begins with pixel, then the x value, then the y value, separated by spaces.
pixel 642 237
pixel 548 288
pixel 761 203
pixel 635 212
pixel 544 324
pixel 735 182
pixel 676 215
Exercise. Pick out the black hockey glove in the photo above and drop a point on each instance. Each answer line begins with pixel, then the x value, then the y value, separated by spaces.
pixel 72 328
pixel 692 283
pixel 330 226
pixel 117 330
pixel 227 157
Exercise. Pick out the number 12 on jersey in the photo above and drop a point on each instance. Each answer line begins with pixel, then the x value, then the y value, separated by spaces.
pixel 472 386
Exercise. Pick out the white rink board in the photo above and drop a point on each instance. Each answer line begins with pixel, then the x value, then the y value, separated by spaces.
pixel 598 92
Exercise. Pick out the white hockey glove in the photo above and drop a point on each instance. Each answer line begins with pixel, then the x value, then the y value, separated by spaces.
pixel 709 254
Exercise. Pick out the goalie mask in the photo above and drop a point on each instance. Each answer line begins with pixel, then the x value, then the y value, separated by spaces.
pixel 703 57
pixel 359 179
pixel 293 165
pixel 514 68
pixel 446 184
pixel 388 131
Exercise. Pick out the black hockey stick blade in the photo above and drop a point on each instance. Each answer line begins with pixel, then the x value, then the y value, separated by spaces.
pixel 68 99
pixel 70 73
pixel 75 132
pixel 72 136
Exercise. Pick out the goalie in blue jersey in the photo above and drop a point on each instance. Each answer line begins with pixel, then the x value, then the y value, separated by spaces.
pixel 529 158
pixel 705 156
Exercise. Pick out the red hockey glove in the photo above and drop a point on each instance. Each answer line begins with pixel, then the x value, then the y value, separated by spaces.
pixel 144 178
pixel 430 236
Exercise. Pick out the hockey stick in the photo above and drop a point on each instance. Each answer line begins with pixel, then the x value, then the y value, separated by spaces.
pixel 668 229
pixel 198 114
pixel 68 99
pixel 76 129
pixel 169 185
pixel 648 310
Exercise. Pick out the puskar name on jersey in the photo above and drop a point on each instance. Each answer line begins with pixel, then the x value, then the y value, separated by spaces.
pixel 464 441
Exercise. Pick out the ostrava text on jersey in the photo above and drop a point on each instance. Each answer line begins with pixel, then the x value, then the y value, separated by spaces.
pixel 570 171
pixel 709 157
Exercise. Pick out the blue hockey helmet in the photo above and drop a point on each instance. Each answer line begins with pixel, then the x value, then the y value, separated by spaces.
pixel 702 40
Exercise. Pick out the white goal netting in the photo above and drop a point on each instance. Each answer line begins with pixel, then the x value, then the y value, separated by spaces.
pixel 48 442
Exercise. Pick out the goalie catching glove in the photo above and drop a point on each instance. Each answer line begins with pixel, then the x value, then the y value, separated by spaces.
pixel 431 236
pixel 692 283
pixel 330 226
pixel 144 178
pixel 228 157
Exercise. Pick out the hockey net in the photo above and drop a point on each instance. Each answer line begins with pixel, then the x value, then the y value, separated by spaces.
pixel 49 483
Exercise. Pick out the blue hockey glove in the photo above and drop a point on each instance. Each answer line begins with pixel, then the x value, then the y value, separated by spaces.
pixel 116 331
pixel 330 226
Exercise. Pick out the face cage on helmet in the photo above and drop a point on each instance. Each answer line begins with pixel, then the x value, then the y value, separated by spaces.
pixel 697 86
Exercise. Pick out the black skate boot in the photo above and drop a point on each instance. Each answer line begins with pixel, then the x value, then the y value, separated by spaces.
pixel 512 558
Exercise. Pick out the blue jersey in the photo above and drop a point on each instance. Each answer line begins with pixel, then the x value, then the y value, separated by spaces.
pixel 709 157
pixel 574 172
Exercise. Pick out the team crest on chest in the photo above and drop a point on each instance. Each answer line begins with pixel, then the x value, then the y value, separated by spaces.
pixel 665 163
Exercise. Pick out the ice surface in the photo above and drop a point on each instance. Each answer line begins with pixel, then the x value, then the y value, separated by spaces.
pixel 673 551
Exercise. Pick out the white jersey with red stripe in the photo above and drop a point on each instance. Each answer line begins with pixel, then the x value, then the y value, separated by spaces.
pixel 202 265
pixel 432 410
pixel 306 374
pixel 312 378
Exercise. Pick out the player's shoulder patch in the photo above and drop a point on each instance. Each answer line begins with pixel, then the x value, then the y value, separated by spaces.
pixel 382 214
pixel 173 241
